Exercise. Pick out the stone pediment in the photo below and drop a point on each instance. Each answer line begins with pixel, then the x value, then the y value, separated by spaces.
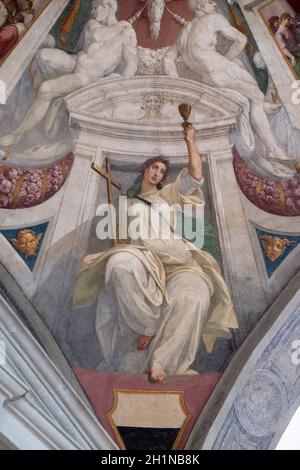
pixel 150 104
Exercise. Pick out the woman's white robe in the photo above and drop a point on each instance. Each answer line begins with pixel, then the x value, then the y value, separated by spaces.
pixel 156 287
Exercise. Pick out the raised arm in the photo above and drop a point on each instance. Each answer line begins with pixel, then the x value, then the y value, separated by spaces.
pixel 195 163
pixel 129 52
pixel 233 34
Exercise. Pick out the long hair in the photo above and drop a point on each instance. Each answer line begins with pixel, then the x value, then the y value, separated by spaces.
pixel 135 189
pixel 272 23
pixel 160 159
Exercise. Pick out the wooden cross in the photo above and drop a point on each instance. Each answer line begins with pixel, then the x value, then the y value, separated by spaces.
pixel 110 182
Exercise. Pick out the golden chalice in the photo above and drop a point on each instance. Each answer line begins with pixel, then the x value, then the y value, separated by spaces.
pixel 185 112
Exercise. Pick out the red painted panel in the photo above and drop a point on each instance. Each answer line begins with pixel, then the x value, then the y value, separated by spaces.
pixel 99 387
pixel 170 28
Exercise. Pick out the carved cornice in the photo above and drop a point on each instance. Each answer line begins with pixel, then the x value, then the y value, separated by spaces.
pixel 86 106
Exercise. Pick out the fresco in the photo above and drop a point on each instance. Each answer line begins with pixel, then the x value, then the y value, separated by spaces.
pixel 237 18
pixel 27 242
pixel 123 120
pixel 283 21
pixel 275 248
pixel 26 188
pixel 16 18
pixel 275 197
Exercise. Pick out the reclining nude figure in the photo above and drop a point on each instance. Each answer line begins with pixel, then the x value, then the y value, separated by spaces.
pixel 156 297
pixel 197 47
pixel 106 43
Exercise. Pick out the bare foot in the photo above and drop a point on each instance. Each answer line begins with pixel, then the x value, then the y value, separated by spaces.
pixel 157 374
pixel 10 139
pixel 143 342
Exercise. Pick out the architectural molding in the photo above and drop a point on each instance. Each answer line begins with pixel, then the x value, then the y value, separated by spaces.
pixel 101 108
pixel 259 392
pixel 39 408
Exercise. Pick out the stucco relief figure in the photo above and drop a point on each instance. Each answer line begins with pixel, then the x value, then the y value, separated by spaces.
pixel 106 43
pixel 197 48
pixel 152 105
pixel 156 10
pixel 157 297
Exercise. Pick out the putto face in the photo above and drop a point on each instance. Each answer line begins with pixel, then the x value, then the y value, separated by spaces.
pixel 27 242
pixel 274 247
pixel 155 173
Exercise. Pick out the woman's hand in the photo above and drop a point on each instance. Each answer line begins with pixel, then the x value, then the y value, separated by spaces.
pixel 195 164
pixel 189 133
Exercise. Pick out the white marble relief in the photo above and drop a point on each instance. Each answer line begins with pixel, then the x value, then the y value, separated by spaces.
pixel 197 47
pixel 107 43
